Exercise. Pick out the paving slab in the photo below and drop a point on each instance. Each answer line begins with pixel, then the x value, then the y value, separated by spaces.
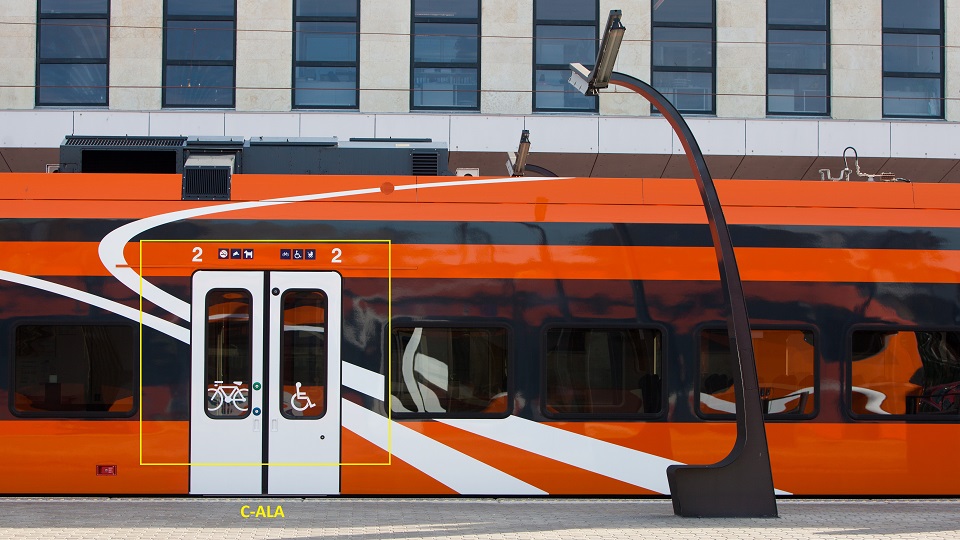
pixel 394 519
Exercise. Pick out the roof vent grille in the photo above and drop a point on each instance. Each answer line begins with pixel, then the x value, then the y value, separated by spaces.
pixel 207 178
pixel 425 163
pixel 134 142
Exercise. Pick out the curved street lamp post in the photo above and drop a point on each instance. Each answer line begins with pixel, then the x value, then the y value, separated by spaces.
pixel 741 484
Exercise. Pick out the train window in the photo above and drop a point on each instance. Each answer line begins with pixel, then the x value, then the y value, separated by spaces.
pixel 785 372
pixel 228 367
pixel 303 353
pixel 591 371
pixel 67 370
pixel 449 371
pixel 905 372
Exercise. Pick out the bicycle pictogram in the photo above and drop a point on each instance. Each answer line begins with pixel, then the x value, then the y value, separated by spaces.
pixel 227 394
pixel 299 397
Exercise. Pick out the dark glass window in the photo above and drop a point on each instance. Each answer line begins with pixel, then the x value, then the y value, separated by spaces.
pixel 913 58
pixel 604 372
pixel 67 370
pixel 446 55
pixel 199 51
pixel 798 59
pixel 440 371
pixel 564 32
pixel 326 56
pixel 905 372
pixel 785 372
pixel 303 354
pixel 72 52
pixel 228 365
pixel 684 52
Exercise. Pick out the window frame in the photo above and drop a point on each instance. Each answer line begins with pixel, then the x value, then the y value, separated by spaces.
pixel 318 63
pixel 473 324
pixel 669 69
pixel 86 415
pixel 847 377
pixel 414 65
pixel 767 417
pixel 537 66
pixel 941 76
pixel 41 17
pixel 167 63
pixel 610 326
pixel 825 28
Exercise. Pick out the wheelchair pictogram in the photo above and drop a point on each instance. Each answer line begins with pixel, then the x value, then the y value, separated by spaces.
pixel 301 397
pixel 226 394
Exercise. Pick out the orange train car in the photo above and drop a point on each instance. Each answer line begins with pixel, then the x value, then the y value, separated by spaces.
pixel 388 335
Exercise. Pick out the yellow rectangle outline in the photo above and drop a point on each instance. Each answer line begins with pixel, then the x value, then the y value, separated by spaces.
pixel 389 461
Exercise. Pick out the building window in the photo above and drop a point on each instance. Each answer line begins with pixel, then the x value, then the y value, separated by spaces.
pixel 785 362
pixel 683 65
pixel 602 372
pixel 449 371
pixel 798 60
pixel 446 55
pixel 326 41
pixel 913 58
pixel 72 52
pixel 74 370
pixel 913 373
pixel 565 31
pixel 199 52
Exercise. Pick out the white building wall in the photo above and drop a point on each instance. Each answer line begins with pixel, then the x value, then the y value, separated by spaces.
pixel 856 59
pixel 633 59
pixel 264 55
pixel 136 59
pixel 506 56
pixel 385 56
pixel 18 53
pixel 741 58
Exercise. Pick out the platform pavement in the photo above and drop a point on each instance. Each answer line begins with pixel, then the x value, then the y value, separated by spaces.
pixel 394 519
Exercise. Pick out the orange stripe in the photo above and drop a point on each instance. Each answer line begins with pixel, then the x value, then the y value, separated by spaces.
pixel 501 262
pixel 554 477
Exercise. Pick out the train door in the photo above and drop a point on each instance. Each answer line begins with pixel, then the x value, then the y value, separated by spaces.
pixel 265 383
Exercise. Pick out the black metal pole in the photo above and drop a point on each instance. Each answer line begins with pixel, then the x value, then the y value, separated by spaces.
pixel 741 484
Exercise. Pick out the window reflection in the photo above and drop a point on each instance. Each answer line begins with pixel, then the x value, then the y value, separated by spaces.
pixel 72 52
pixel 905 372
pixel 67 370
pixel 798 80
pixel 228 362
pixel 785 372
pixel 683 53
pixel 449 371
pixel 303 354
pixel 564 32
pixel 199 61
pixel 326 54
pixel 912 58
pixel 603 371
pixel 445 54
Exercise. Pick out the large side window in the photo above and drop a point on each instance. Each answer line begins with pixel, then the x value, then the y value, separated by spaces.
pixel 199 53
pixel 798 41
pixel 440 371
pixel 785 372
pixel 913 58
pixel 326 58
pixel 74 370
pixel 602 371
pixel 72 52
pixel 683 65
pixel 915 373
pixel 446 55
pixel 564 31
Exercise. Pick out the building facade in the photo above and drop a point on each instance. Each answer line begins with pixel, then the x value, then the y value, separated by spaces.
pixel 772 88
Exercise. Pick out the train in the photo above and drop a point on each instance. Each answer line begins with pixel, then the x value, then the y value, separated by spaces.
pixel 388 335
